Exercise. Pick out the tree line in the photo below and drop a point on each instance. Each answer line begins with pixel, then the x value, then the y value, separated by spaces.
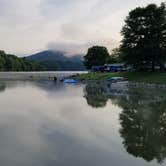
pixel 144 41
pixel 10 62
pixel 99 55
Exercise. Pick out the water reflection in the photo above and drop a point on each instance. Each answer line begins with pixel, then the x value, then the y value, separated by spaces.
pixel 2 87
pixel 98 94
pixel 44 85
pixel 95 95
pixel 143 117
pixel 46 124
pixel 143 124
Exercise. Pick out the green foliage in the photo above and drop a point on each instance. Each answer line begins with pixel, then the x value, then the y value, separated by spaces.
pixel 12 63
pixel 115 57
pixel 96 56
pixel 144 42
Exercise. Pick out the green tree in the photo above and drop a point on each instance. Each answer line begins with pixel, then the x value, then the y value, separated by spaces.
pixel 13 63
pixel 144 37
pixel 96 55
pixel 116 56
pixel 2 60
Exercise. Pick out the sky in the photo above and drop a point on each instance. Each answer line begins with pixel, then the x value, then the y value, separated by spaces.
pixel 30 26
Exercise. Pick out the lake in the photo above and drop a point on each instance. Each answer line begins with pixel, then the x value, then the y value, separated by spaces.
pixel 36 75
pixel 43 123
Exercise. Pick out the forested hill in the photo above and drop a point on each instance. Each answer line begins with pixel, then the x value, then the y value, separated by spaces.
pixel 55 60
pixel 10 62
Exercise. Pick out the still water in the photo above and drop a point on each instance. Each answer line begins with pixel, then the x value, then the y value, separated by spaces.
pixel 46 124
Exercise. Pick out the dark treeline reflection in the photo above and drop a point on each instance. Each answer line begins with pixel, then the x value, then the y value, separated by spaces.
pixel 4 85
pixel 143 124
pixel 98 94
pixel 44 85
pixel 143 117
pixel 95 95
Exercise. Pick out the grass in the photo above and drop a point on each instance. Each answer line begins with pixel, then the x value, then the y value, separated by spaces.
pixel 147 77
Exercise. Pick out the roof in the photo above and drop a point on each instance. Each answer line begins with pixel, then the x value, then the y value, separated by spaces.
pixel 93 67
pixel 115 64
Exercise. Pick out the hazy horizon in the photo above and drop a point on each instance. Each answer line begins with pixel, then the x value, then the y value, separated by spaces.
pixel 28 27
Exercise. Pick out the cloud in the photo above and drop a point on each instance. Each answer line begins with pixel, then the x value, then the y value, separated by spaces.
pixel 30 26
pixel 72 47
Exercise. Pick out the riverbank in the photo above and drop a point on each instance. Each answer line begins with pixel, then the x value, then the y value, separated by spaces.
pixel 146 77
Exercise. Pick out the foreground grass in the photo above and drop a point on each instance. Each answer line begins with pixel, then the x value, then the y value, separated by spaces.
pixel 148 77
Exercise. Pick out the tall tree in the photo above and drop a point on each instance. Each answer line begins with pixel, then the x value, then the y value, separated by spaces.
pixel 144 37
pixel 116 56
pixel 96 55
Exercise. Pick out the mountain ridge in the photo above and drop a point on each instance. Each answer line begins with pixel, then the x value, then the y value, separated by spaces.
pixel 57 60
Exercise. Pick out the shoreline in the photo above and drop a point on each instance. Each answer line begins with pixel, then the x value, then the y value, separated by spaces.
pixel 133 77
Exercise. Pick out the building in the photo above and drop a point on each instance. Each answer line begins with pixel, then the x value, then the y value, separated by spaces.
pixel 116 67
pixel 98 69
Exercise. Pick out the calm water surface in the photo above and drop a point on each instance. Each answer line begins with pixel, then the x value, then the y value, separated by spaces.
pixel 47 124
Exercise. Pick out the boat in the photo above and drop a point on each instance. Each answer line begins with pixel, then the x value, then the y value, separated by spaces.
pixel 70 81
pixel 116 79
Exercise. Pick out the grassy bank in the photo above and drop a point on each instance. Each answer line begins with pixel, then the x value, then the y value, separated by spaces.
pixel 148 77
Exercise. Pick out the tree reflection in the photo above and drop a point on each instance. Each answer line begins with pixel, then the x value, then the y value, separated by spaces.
pixel 143 124
pixel 8 84
pixel 143 117
pixel 2 87
pixel 98 94
pixel 95 95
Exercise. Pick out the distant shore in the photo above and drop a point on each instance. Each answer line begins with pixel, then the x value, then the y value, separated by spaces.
pixel 146 77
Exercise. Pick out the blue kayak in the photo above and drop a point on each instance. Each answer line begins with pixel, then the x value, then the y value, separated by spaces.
pixel 116 79
pixel 71 81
